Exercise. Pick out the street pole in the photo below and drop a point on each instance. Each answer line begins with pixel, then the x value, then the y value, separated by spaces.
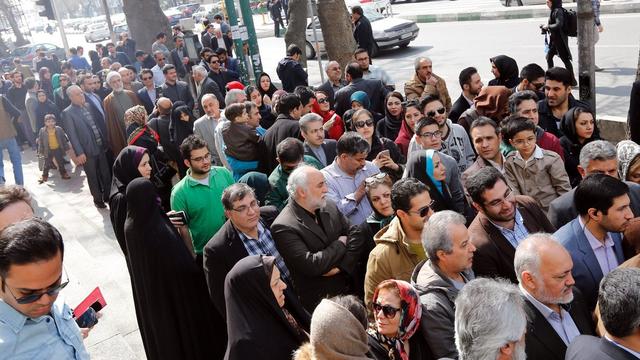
pixel 237 40
pixel 107 15
pixel 315 39
pixel 254 50
pixel 63 35
pixel 586 54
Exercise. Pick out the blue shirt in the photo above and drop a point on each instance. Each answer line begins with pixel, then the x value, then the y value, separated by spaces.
pixel 562 323
pixel 48 337
pixel 604 252
pixel 79 63
pixel 342 188
pixel 264 245
pixel 519 232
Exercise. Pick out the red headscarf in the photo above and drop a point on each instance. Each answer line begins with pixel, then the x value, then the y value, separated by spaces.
pixel 338 125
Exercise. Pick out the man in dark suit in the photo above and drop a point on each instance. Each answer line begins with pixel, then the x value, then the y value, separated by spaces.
pixel 362 32
pixel 117 56
pixel 597 157
pixel 286 125
pixel 594 238
pixel 334 81
pixel 558 313
pixel 204 85
pixel 207 36
pixel 503 221
pixel 619 299
pixel 311 129
pixel 180 58
pixel 89 142
pixel 312 236
pixel 471 85
pixel 149 94
pixel 245 233
pixel 175 89
pixel 374 88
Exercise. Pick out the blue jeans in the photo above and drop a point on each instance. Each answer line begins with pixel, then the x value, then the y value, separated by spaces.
pixel 16 160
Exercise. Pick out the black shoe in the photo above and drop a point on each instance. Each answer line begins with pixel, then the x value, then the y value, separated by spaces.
pixel 100 205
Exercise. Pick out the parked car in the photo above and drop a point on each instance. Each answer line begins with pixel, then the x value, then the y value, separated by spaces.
pixel 188 9
pixel 529 2
pixel 173 15
pixel 388 32
pixel 26 53
pixel 119 29
pixel 97 32
pixel 381 6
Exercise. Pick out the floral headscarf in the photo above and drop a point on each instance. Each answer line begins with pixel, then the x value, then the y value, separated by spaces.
pixel 136 114
pixel 627 151
pixel 409 317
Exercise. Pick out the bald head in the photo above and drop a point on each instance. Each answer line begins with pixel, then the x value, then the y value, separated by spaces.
pixel 164 105
pixel 76 95
pixel 333 70
pixel 126 75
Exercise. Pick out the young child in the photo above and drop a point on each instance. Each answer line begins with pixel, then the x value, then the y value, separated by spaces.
pixel 531 170
pixel 240 140
pixel 52 143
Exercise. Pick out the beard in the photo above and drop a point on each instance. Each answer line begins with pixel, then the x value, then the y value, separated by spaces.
pixel 546 298
pixel 119 89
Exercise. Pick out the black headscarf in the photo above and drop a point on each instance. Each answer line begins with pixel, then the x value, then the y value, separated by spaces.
pixel 556 4
pixel 568 126
pixel 178 129
pixel 272 88
pixel 257 326
pixel 389 126
pixel 570 144
pixel 508 68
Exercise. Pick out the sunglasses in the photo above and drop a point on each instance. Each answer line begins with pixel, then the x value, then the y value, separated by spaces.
pixel 423 211
pixel 432 113
pixel 322 101
pixel 375 178
pixel 361 124
pixel 147 78
pixel 387 310
pixel 28 299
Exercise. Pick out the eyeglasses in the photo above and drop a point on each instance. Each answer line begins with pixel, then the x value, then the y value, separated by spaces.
pixel 215 62
pixel 423 211
pixel 520 142
pixel 244 208
pixel 432 113
pixel 201 158
pixel 147 78
pixel 322 100
pixel 52 291
pixel 375 178
pixel 363 123
pixel 538 86
pixel 387 310
pixel 499 202
pixel 434 135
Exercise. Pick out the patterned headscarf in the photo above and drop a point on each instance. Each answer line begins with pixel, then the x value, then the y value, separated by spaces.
pixel 409 317
pixel 136 114
pixel 627 151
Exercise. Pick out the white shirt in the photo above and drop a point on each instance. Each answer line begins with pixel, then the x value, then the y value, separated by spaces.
pixel 158 76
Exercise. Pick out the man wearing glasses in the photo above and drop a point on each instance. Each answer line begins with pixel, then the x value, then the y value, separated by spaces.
pixel 158 75
pixel 398 245
pixel 34 323
pixel 150 92
pixel 532 76
pixel 503 221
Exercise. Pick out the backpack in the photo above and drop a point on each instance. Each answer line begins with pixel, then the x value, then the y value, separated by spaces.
pixel 570 22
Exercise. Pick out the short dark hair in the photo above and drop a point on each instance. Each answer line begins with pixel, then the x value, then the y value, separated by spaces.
pixel 204 51
pixel 73 51
pixel 192 142
pixel 465 76
pixel 146 71
pixel 515 124
pixel 360 51
pixel 597 191
pixel 28 241
pixel 232 111
pixel 293 49
pixel 352 143
pixel 428 100
pixel 353 69
pixel 531 72
pixel 132 68
pixel 29 83
pixel 160 35
pixel 305 94
pixel 483 180
pixel 235 192
pixel 139 53
pixel 167 67
pixel 217 16
pixel 65 65
pixel 175 38
pixel 559 74
pixel 287 103
pixel 483 121
pixel 619 301
pixel 12 194
pixel 357 10
pixel 517 98
pixel 404 190
pixel 424 121
pixel 110 44
pixel 220 50
pixel 290 150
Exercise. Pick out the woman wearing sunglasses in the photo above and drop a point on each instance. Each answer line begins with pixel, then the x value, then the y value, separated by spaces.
pixel 396 312
pixel 384 153
pixel 332 122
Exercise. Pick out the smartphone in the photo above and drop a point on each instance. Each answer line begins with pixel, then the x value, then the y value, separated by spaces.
pixel 89 318
pixel 180 216
pixel 383 153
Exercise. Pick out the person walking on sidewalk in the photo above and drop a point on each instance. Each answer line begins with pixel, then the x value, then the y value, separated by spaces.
pixel 597 26
pixel 558 37
pixel 275 9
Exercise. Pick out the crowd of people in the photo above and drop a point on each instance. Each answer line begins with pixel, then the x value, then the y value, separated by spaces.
pixel 346 220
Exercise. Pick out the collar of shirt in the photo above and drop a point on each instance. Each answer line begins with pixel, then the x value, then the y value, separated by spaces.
pixel 518 222
pixel 16 320
pixel 193 182
pixel 245 237
pixel 634 353
pixel 335 170
pixel 537 154
pixel 544 309
pixel 468 100
pixel 496 165
pixel 593 242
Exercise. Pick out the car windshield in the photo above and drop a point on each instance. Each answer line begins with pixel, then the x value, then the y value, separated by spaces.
pixel 371 14
pixel 21 51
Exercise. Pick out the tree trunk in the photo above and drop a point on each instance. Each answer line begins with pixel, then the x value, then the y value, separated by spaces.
pixel 145 20
pixel 297 27
pixel 337 31
pixel 638 70
pixel 11 18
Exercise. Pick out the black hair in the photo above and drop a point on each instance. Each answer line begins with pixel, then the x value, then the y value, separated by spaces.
pixel 110 44
pixel 233 111
pixel 204 51
pixel 290 150
pixel 483 121
pixel 220 50
pixel 287 103
pixel 483 180
pixel 517 98
pixel 360 51
pixel 235 192
pixel 404 190
pixel 357 10
pixel 217 17
pixel 139 53
pixel 424 121
pixel 29 83
pixel 160 35
pixel 65 65
pixel 132 68
pixel 73 51
pixel 597 191
pixel 515 124
pixel 304 93
pixel 428 100
pixel 192 142
pixel 28 241
pixel 146 71
pixel 352 143
pixel 353 69
pixel 167 67
pixel 465 76
pixel 559 74
pixel 293 49
pixel 531 72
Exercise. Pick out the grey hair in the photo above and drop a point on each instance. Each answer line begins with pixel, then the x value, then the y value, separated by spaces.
pixel 435 235
pixel 199 69
pixel 599 150
pixel 527 257
pixel 326 66
pixel 416 62
pixel 235 192
pixel 490 313
pixel 619 301
pixel 111 75
pixel 208 96
pixel 71 88
pixel 306 119
pixel 232 96
pixel 298 179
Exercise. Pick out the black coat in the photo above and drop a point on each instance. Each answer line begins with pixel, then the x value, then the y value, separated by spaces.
pixel 461 105
pixel 223 251
pixel 327 88
pixel 557 37
pixel 363 35
pixel 146 100
pixel 209 87
pixel 542 341
pixel 418 349
pixel 283 128
pixel 178 92
pixel 161 126
pixel 222 78
pixel 291 74
pixel 374 88
pixel 634 112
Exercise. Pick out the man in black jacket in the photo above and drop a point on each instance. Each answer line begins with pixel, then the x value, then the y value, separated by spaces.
pixel 471 85
pixel 334 81
pixel 220 75
pixel 204 85
pixel 362 32
pixel 290 71
pixel 286 125
pixel 174 89
pixel 245 233
pixel 374 88
pixel 557 89
pixel 558 313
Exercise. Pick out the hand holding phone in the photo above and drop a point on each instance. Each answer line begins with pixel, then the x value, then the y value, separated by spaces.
pixel 178 218
pixel 383 153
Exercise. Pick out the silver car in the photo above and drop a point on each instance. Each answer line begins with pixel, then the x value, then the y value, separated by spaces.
pixel 388 32
pixel 97 32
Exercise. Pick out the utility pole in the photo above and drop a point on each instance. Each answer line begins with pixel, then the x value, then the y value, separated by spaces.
pixel 254 50
pixel 586 54
pixel 107 15
pixel 237 40
pixel 56 14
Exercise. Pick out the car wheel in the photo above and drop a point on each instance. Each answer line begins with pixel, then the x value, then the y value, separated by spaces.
pixel 310 51
pixel 404 45
pixel 87 39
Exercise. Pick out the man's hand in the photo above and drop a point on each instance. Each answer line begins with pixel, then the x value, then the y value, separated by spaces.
pixel 600 28
pixel 431 80
pixel 85 331
pixel 332 272
pixel 175 221
pixel 81 159
pixel 360 192
pixel 343 239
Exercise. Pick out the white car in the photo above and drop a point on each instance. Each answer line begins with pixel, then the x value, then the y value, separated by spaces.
pixel 97 32
pixel 388 32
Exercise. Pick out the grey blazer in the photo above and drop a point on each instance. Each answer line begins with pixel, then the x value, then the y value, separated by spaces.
pixel 80 133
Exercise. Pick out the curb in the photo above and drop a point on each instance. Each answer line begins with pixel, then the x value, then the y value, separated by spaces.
pixel 515 13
